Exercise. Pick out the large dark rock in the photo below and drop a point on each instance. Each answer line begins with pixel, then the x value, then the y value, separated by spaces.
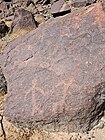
pixel 56 74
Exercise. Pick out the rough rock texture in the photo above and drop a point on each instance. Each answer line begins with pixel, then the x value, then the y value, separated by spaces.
pixel 3 83
pixel 56 74
pixel 23 19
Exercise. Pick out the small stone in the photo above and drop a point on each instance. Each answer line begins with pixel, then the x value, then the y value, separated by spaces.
pixel 39 18
pixel 23 19
pixel 56 6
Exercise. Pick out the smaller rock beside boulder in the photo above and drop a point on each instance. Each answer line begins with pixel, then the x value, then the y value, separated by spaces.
pixel 59 8
pixel 56 6
pixel 4 29
pixel 23 19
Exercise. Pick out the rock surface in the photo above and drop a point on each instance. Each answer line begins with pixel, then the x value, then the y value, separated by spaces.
pixel 11 133
pixel 3 83
pixel 56 74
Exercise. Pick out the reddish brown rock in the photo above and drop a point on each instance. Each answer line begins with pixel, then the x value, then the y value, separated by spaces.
pixel 80 3
pixel 23 19
pixel 60 8
pixel 56 74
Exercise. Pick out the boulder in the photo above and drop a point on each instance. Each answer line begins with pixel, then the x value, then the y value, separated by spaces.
pixel 23 19
pixel 56 74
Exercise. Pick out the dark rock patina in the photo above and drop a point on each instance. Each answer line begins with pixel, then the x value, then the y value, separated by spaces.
pixel 56 74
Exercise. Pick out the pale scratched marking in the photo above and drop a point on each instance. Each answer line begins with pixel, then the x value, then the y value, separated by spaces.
pixel 41 91
pixel 45 65
pixel 89 10
pixel 27 94
pixel 33 97
pixel 65 88
pixel 31 91
pixel 59 84
pixel 29 47
pixel 54 108
pixel 35 108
